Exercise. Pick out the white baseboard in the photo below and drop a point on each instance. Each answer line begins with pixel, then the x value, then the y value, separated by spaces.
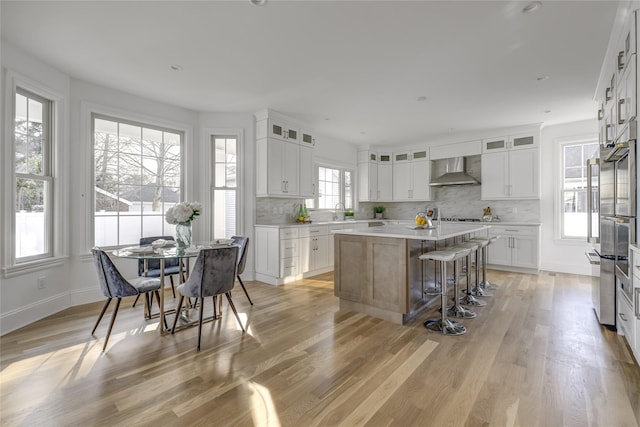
pixel 586 270
pixel 22 316
pixel 85 296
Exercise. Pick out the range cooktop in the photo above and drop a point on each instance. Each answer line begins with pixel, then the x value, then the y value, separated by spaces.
pixel 461 219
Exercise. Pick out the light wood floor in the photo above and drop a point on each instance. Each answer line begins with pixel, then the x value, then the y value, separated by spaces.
pixel 535 356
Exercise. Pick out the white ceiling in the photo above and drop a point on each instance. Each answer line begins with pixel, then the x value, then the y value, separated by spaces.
pixel 353 70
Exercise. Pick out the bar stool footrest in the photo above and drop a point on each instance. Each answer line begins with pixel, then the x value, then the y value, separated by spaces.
pixel 460 312
pixel 445 327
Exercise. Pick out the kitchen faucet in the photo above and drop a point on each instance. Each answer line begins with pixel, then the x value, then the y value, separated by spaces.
pixel 335 212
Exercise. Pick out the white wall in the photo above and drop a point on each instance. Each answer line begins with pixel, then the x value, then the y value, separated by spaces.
pixel 74 281
pixel 21 302
pixel 232 123
pixel 557 255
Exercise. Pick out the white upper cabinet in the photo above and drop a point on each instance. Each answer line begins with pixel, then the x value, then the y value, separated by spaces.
pixel 511 175
pixel 284 163
pixel 511 167
pixel 307 138
pixel 277 173
pixel 367 176
pixel 375 176
pixel 283 131
pixel 385 177
pixel 411 172
pixel 307 181
pixel 511 142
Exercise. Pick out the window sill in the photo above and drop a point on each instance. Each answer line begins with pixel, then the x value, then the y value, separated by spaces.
pixel 29 267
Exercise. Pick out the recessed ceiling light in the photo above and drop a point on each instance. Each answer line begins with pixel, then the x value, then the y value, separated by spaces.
pixel 422 98
pixel 547 111
pixel 363 133
pixel 327 118
pixel 531 7
pixel 258 2
pixel 542 78
pixel 176 67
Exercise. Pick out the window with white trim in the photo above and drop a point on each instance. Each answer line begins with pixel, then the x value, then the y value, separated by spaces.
pixel 33 139
pixel 137 176
pixel 573 193
pixel 225 184
pixel 335 187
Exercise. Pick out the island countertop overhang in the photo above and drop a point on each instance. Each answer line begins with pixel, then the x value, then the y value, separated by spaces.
pixel 439 232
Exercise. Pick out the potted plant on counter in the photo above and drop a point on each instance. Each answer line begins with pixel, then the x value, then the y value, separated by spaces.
pixel 379 210
pixel 348 214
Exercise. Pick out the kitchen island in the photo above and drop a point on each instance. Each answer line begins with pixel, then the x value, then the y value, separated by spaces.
pixel 377 270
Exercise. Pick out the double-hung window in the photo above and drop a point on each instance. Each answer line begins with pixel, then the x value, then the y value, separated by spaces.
pixel 33 137
pixel 225 184
pixel 137 177
pixel 573 194
pixel 335 188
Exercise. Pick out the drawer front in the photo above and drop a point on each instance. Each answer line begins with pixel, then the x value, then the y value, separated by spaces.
pixel 513 231
pixel 288 233
pixel 314 231
pixel 289 248
pixel 288 270
pixel 626 319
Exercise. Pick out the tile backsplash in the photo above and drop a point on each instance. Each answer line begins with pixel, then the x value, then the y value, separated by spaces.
pixel 456 201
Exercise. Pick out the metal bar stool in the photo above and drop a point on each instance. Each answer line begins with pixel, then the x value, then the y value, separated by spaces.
pixel 443 325
pixel 480 289
pixel 468 298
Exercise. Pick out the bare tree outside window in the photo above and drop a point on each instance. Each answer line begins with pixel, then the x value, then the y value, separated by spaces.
pixel 137 178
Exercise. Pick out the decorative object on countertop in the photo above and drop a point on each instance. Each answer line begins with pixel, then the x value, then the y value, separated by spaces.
pixel 349 214
pixel 486 216
pixel 422 221
pixel 303 216
pixel 181 215
pixel 379 210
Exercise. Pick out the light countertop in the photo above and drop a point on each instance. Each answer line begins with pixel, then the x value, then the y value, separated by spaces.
pixel 445 231
pixel 397 221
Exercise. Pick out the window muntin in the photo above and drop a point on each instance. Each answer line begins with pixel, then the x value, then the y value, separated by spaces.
pixel 225 182
pixel 137 173
pixel 574 189
pixel 335 187
pixel 33 138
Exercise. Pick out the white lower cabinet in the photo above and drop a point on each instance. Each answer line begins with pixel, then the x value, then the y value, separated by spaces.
pixel 314 245
pixel 631 309
pixel 284 254
pixel 626 320
pixel 518 247
pixel 277 254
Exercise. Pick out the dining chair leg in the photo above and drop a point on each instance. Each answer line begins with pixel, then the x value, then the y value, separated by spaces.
pixel 113 319
pixel 200 322
pixel 104 308
pixel 215 310
pixel 233 307
pixel 175 321
pixel 245 290
pixel 173 288
pixel 147 306
pixel 157 294
pixel 135 301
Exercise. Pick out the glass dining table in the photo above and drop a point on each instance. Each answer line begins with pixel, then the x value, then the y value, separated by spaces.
pixel 146 253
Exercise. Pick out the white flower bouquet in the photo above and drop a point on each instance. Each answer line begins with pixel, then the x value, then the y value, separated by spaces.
pixel 183 212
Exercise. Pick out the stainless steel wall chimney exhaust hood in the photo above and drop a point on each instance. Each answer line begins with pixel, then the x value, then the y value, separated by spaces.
pixel 455 174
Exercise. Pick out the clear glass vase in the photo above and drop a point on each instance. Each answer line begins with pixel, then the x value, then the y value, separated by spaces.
pixel 183 235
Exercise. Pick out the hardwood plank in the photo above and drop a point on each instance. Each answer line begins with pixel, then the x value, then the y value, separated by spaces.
pixel 534 356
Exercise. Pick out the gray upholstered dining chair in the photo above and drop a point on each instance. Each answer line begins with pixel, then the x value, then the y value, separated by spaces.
pixel 213 275
pixel 114 285
pixel 243 242
pixel 171 266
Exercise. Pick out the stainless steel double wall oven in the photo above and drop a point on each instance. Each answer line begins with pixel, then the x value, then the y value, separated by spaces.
pixel 616 201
